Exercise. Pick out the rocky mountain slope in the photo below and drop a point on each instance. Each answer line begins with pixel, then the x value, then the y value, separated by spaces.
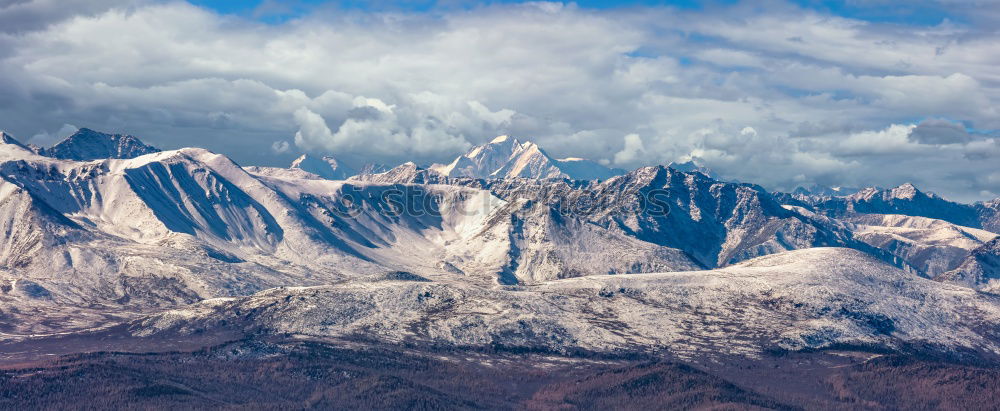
pixel 717 223
pixel 800 300
pixel 87 144
pixel 980 269
pixel 905 200
pixel 931 235
pixel 929 245
pixel 174 227
pixel 406 173
pixel 511 249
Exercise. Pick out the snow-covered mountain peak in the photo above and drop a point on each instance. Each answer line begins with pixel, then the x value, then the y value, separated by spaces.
pixel 906 200
pixel 87 144
pixel 506 156
pixel 10 140
pixel 495 151
pixel 529 147
pixel 178 226
pixel 502 139
pixel 647 174
pixel 659 173
pixel 406 173
pixel 170 157
pixel 904 191
pixel 865 194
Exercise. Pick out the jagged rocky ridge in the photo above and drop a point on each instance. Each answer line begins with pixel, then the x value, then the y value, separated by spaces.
pixel 905 200
pixel 98 241
pixel 179 226
pixel 931 235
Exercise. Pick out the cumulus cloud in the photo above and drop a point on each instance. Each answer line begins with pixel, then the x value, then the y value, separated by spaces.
pixel 313 131
pixel 773 94
pixel 632 150
pixel 425 124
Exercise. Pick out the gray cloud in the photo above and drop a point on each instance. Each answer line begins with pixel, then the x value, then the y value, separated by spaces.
pixel 17 16
pixel 725 85
pixel 280 147
pixel 939 131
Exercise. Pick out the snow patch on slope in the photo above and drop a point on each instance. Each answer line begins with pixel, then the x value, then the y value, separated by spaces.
pixel 930 245
pixel 805 299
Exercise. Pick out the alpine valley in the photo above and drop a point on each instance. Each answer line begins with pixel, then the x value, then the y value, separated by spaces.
pixel 506 278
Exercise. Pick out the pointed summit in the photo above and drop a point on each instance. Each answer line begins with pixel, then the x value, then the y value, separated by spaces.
pixel 9 139
pixel 10 146
pixel 87 144
pixel 326 167
pixel 905 191
pixel 506 157
pixel 501 139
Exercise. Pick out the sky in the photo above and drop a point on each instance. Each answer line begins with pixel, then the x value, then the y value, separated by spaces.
pixel 779 93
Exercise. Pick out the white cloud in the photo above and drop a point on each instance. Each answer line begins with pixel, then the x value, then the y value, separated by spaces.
pixel 632 150
pixel 771 94
pixel 313 132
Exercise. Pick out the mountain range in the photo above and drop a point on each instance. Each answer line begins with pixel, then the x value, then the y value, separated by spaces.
pixel 503 247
